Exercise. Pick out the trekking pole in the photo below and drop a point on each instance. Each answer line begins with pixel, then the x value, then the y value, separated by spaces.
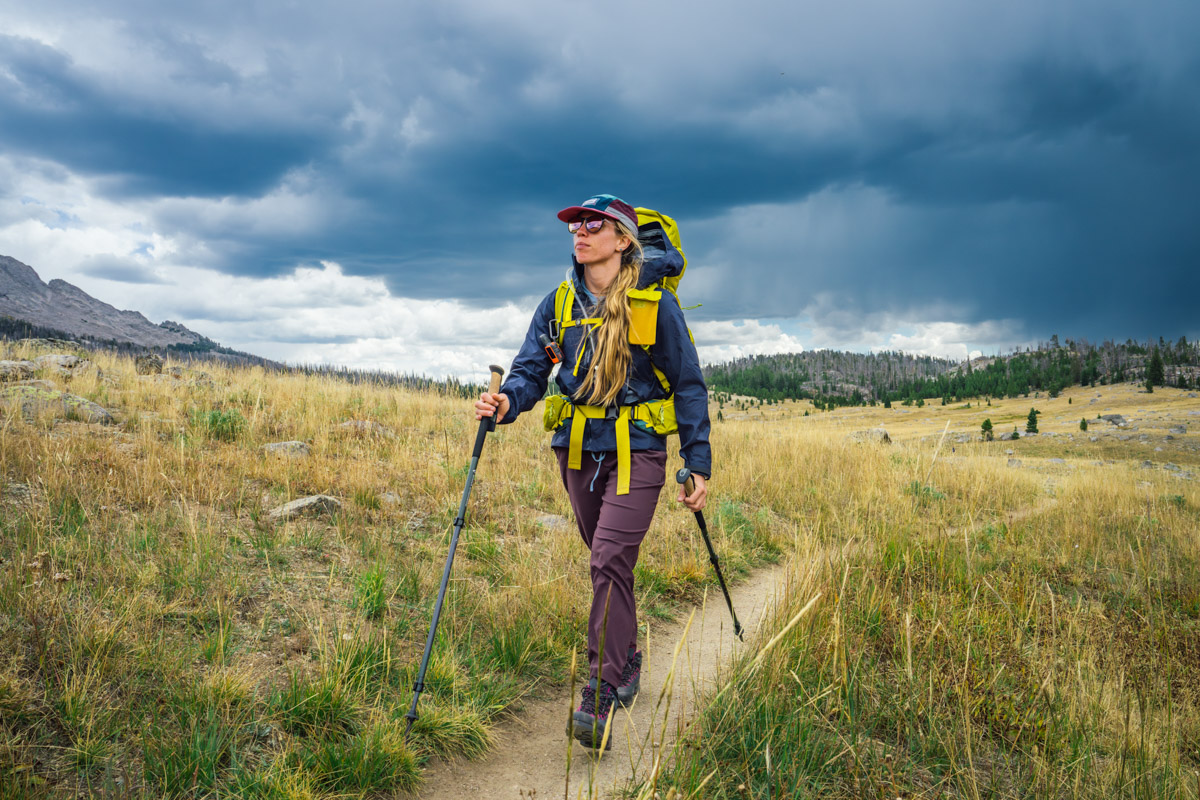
pixel 485 425
pixel 684 476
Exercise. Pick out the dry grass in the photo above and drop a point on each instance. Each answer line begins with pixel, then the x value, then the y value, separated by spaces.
pixel 159 634
pixel 986 627
pixel 982 629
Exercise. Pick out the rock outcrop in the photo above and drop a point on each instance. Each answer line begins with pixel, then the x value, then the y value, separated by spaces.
pixel 877 435
pixel 289 449
pixel 17 370
pixel 38 401
pixel 314 505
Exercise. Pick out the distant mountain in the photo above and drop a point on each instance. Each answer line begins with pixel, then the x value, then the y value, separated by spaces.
pixel 62 306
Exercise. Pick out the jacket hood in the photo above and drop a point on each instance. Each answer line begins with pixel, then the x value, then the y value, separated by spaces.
pixel 660 258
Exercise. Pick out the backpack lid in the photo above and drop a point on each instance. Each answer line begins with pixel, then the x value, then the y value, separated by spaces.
pixel 663 258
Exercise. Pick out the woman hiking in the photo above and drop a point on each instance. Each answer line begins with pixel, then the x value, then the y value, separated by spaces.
pixel 626 363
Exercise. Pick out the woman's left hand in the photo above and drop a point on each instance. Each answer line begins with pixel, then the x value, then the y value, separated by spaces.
pixel 699 496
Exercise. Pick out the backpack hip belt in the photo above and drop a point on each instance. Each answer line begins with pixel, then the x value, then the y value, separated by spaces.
pixel 656 416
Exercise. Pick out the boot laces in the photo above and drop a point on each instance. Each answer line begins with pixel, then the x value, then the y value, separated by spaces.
pixel 632 667
pixel 607 696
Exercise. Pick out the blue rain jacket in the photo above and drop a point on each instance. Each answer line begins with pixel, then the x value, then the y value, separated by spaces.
pixel 672 352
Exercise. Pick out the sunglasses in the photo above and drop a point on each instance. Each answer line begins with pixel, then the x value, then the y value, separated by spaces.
pixel 591 224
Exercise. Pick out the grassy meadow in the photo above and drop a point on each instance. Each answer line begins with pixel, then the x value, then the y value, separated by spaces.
pixel 986 624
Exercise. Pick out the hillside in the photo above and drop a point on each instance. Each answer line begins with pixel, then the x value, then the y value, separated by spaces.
pixel 834 378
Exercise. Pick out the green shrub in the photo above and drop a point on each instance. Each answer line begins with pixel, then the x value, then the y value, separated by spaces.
pixel 374 762
pixel 370 592
pixel 219 424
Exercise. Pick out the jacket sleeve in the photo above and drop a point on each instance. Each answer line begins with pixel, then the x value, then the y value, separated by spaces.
pixel 676 356
pixel 530 371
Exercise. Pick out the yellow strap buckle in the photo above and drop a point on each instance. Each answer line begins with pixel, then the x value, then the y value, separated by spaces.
pixel 575 452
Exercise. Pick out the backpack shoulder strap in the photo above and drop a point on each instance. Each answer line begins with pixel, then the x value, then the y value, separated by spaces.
pixel 564 304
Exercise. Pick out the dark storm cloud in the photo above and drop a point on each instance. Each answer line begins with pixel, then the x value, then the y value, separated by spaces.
pixel 982 164
pixel 52 111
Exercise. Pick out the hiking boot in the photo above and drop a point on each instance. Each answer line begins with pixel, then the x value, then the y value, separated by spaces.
pixel 631 680
pixel 594 714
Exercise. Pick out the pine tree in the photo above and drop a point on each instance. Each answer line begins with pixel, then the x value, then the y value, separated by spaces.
pixel 1154 370
pixel 987 430
pixel 1083 424
pixel 1031 422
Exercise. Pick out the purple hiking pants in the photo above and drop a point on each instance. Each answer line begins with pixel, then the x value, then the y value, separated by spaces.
pixel 613 527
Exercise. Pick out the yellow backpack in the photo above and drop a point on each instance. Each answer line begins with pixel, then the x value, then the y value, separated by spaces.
pixel 654 415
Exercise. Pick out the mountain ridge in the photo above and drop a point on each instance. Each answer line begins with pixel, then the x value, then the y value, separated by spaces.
pixel 65 307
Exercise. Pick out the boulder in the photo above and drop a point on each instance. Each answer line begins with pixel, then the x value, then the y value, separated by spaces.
pixel 1115 419
pixel 289 449
pixel 366 428
pixel 35 401
pixel 17 370
pixel 65 364
pixel 17 494
pixel 877 435
pixel 1014 462
pixel 38 383
pixel 1056 461
pixel 314 505
pixel 1179 430
pixel 148 364
pixel 552 522
pixel 179 375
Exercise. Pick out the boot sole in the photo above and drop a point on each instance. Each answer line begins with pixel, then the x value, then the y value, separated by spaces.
pixel 582 732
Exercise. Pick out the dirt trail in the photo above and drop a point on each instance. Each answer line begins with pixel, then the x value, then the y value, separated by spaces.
pixel 530 759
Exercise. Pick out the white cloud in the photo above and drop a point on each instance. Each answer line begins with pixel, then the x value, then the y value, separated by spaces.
pixel 320 315
pixel 954 339
pixel 727 340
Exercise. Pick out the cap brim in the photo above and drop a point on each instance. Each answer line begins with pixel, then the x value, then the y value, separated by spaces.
pixel 568 214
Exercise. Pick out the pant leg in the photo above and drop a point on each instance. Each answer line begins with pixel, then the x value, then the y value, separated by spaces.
pixel 585 489
pixel 614 525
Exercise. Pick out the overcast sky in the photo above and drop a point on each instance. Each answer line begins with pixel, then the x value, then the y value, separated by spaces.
pixel 375 184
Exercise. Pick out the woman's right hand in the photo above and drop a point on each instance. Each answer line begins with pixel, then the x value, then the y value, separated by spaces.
pixel 488 403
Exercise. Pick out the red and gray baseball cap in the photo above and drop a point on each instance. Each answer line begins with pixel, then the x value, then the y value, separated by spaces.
pixel 606 206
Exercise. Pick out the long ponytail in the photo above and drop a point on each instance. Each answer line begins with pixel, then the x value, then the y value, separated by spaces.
pixel 605 381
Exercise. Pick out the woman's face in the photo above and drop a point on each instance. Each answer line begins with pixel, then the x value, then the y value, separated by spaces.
pixel 598 247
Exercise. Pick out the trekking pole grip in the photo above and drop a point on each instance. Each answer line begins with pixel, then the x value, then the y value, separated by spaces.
pixel 489 423
pixel 684 476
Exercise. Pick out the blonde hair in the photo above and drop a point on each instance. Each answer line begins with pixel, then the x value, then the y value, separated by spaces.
pixel 605 380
